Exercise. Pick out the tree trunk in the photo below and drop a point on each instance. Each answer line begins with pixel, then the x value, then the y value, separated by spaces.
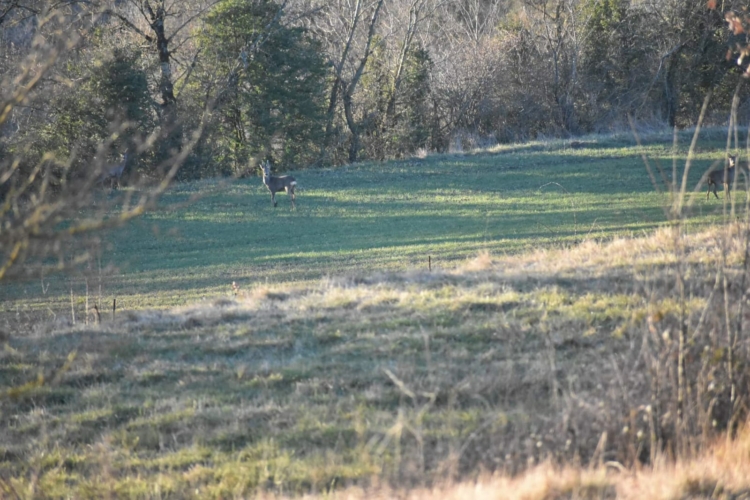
pixel 171 135
pixel 670 95
pixel 353 127
pixel 411 29
pixel 348 90
pixel 333 99
pixel 166 87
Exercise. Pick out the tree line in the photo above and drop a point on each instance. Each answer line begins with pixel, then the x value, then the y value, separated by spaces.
pixel 305 82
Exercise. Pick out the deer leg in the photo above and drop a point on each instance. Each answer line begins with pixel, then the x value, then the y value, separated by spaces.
pixel 717 196
pixel 273 199
pixel 291 193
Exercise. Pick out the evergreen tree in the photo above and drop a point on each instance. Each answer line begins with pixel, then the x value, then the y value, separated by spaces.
pixel 276 105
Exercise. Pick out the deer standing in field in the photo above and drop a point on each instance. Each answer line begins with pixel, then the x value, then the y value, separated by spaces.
pixel 113 173
pixel 275 184
pixel 724 176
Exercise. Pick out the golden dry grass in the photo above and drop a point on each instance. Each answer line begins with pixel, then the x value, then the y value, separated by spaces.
pixel 488 381
pixel 722 471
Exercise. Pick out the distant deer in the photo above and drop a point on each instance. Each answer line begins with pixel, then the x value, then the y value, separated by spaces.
pixel 276 184
pixel 724 176
pixel 113 173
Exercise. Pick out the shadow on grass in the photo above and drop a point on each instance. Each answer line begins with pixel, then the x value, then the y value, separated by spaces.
pixel 238 376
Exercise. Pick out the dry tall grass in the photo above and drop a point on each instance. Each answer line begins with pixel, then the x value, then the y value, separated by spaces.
pixel 556 374
pixel 722 471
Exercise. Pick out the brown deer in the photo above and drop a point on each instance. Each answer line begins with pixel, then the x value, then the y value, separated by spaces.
pixel 113 173
pixel 724 176
pixel 275 184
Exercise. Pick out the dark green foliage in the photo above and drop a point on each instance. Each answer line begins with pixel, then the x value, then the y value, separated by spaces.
pixel 656 64
pixel 409 129
pixel 612 57
pixel 113 92
pixel 416 96
pixel 274 106
pixel 403 127
pixel 104 99
pixel 122 88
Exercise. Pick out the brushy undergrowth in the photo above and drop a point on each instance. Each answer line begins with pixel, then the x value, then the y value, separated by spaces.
pixel 620 354
pixel 719 472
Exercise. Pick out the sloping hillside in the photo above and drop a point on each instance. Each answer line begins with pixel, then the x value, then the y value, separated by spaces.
pixel 367 218
pixel 564 356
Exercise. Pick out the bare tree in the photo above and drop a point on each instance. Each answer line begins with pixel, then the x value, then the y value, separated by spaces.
pixel 477 19
pixel 557 27
pixel 682 27
pixel 165 27
pixel 50 205
pixel 348 28
pixel 416 12
pixel 468 55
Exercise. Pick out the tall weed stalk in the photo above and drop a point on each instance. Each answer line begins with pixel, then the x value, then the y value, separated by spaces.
pixel 697 383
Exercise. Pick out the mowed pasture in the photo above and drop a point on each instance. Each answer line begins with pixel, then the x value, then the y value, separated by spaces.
pixel 341 360
pixel 374 217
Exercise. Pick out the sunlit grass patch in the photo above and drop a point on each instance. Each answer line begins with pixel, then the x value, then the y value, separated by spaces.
pixel 362 219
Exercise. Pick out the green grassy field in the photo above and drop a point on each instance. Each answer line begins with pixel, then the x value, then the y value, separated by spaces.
pixel 342 360
pixel 373 217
